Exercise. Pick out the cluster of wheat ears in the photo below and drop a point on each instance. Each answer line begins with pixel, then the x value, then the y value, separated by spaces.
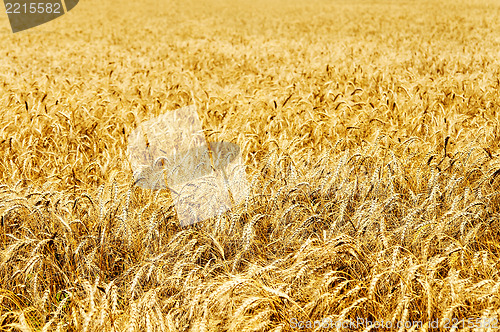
pixel 370 132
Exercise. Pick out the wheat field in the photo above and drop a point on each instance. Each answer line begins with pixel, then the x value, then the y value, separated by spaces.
pixel 370 132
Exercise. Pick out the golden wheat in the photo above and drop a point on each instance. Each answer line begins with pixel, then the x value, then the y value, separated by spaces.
pixel 369 135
